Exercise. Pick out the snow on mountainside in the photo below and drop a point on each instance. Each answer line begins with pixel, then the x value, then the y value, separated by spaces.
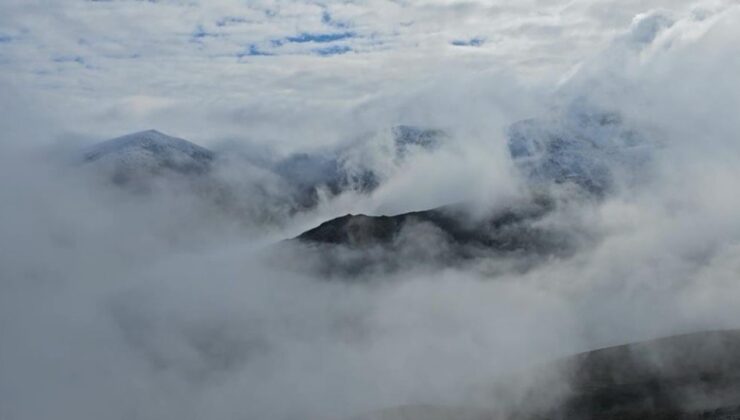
pixel 149 152
pixel 584 146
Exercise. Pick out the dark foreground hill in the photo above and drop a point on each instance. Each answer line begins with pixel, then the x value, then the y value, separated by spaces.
pixel 687 377
pixel 690 376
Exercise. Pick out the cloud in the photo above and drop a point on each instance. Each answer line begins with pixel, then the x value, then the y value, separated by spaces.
pixel 190 313
pixel 147 47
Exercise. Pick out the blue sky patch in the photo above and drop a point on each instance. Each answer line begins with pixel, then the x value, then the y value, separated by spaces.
pixel 320 38
pixel 332 50
pixel 253 51
pixel 472 42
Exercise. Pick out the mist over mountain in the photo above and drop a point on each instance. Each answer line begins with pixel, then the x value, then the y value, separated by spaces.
pixel 138 159
pixel 582 148
pixel 696 374
pixel 360 166
pixel 369 210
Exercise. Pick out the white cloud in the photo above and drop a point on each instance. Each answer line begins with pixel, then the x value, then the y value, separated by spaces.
pixel 188 51
pixel 114 307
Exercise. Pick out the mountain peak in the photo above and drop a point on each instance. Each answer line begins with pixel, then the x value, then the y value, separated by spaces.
pixel 149 152
pixel 152 141
pixel 153 133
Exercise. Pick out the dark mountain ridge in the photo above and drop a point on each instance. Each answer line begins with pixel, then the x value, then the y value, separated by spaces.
pixel 507 232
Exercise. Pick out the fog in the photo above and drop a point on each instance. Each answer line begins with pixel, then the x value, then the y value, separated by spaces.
pixel 120 305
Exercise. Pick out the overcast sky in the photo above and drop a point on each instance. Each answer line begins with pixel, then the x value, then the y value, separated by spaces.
pixel 234 68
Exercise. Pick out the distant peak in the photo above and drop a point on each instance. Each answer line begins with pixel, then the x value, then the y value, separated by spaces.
pixel 153 131
pixel 152 141
pixel 148 133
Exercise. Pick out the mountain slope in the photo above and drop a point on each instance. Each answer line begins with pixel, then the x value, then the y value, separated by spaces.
pixel 688 377
pixel 148 153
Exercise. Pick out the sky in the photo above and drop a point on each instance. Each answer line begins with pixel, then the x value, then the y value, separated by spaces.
pixel 237 69
pixel 117 306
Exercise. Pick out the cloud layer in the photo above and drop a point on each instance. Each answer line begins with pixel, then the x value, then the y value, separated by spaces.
pixel 187 66
pixel 157 307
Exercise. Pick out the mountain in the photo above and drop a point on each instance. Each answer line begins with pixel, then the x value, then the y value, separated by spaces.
pixel 583 146
pixel 146 153
pixel 355 246
pixel 242 182
pixel 447 233
pixel 691 376
pixel 687 377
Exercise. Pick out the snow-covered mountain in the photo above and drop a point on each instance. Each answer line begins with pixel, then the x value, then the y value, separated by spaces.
pixel 148 153
pixel 235 179
pixel 584 146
